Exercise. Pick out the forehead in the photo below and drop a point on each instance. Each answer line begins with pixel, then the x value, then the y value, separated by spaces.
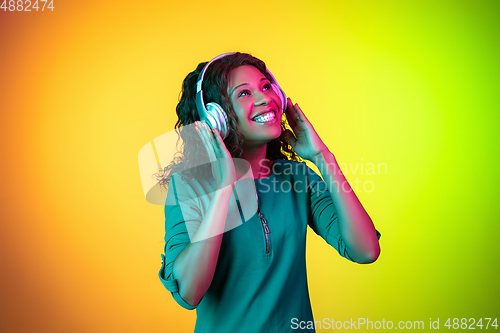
pixel 244 74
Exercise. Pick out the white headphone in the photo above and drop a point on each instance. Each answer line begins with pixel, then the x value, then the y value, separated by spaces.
pixel 213 112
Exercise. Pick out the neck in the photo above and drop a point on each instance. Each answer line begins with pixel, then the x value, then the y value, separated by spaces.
pixel 256 156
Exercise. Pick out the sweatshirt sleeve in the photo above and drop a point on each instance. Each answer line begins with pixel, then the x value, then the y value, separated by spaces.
pixel 182 219
pixel 323 216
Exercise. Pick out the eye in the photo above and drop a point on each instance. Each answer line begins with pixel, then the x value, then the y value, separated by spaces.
pixel 267 86
pixel 244 93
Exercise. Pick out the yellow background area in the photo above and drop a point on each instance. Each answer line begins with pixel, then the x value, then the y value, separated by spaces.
pixel 409 84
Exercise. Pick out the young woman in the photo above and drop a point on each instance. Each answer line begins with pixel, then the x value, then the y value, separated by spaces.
pixel 251 276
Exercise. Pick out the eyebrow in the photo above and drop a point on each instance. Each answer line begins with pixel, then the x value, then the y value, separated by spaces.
pixel 264 78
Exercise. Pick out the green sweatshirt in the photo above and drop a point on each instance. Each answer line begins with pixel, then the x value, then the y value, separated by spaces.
pixel 260 283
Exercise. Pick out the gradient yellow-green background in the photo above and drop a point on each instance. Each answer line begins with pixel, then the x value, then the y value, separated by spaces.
pixel 412 84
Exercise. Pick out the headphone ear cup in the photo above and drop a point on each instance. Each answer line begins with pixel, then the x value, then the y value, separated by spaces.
pixel 218 119
pixel 281 95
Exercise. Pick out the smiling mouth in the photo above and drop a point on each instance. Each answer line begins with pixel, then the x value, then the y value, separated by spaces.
pixel 266 117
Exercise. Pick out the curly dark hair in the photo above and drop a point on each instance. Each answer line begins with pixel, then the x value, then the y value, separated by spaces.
pixel 215 85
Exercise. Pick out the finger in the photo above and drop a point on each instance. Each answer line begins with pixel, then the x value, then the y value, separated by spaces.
pixel 210 144
pixel 296 114
pixel 215 142
pixel 203 138
pixel 290 112
pixel 207 142
pixel 300 113
pixel 210 139
pixel 208 130
pixel 222 154
pixel 219 142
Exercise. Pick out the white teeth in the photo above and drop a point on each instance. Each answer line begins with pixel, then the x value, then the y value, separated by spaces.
pixel 265 117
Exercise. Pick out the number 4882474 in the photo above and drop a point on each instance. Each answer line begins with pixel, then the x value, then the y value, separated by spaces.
pixel 26 6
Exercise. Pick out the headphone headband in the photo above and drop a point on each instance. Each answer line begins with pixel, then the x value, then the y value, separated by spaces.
pixel 200 77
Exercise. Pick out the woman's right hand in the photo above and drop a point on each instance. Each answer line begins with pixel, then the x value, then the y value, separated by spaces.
pixel 222 162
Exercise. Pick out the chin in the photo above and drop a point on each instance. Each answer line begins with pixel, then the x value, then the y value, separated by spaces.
pixel 268 135
pixel 273 133
pixel 274 137
pixel 255 142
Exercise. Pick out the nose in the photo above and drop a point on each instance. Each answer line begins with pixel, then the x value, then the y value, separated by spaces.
pixel 261 98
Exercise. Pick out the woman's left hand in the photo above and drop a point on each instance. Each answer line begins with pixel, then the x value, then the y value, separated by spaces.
pixel 306 142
